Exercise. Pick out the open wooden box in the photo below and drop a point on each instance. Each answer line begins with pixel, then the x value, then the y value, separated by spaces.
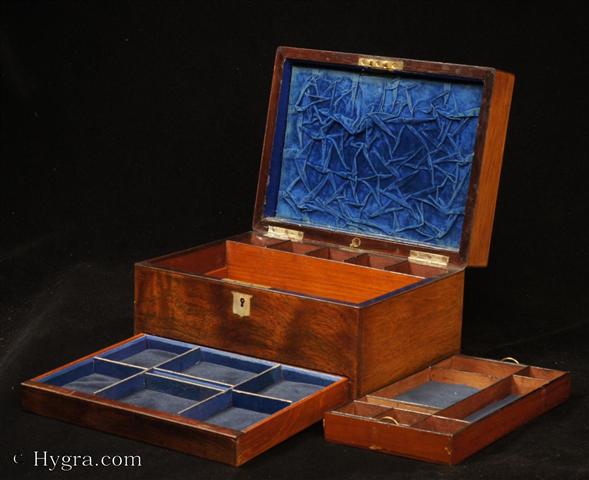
pixel 448 411
pixel 198 400
pixel 377 188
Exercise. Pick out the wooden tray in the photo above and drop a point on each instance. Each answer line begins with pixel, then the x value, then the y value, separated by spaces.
pixel 448 411
pixel 202 401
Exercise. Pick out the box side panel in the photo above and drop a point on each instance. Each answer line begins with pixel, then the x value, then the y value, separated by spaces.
pixel 285 328
pixel 291 421
pixel 488 184
pixel 380 437
pixel 407 333
pixel 130 424
pixel 484 432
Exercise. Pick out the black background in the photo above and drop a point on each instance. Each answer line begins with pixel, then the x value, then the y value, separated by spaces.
pixel 132 129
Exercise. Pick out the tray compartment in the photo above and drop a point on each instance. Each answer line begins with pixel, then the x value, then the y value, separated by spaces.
pixel 331 253
pixel 218 367
pixel 158 393
pixel 435 388
pixel 493 398
pixel 147 351
pixel 287 383
pixel 176 410
pixel 278 269
pixel 384 262
pixel 295 247
pixel 494 368
pixel 361 408
pixel 503 397
pixel 91 375
pixel 416 269
pixel 235 410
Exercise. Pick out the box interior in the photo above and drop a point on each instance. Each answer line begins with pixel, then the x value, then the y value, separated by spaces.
pixel 205 384
pixel 450 395
pixel 376 154
pixel 331 272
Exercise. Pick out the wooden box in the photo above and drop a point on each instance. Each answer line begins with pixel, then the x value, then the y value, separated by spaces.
pixel 202 401
pixel 377 188
pixel 448 411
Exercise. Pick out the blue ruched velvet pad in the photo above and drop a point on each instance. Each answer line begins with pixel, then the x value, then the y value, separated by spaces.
pixel 380 155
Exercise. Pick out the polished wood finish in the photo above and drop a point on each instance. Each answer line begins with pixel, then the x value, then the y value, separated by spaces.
pixel 491 133
pixel 174 431
pixel 381 423
pixel 310 274
pixel 370 324
pixel 364 312
pixel 488 184
pixel 411 331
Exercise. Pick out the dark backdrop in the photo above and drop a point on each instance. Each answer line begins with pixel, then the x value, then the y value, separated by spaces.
pixel 132 129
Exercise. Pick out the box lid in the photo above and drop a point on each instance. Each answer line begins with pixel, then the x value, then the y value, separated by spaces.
pixel 384 153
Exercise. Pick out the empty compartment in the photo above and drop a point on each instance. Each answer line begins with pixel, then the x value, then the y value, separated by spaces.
pixel 277 268
pixel 147 351
pixel 158 393
pixel 411 268
pixel 91 375
pixel 362 409
pixel 443 425
pixel 465 363
pixel 541 373
pixel 333 254
pixel 398 416
pixel 493 398
pixel 436 394
pixel 288 383
pixel 235 410
pixel 295 247
pixel 436 387
pixel 375 261
pixel 216 366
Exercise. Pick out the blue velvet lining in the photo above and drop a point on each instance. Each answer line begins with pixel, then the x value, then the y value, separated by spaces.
pixel 235 410
pixel 208 364
pixel 147 351
pixel 158 393
pixel 285 382
pixel 380 155
pixel 492 407
pixel 437 394
pixel 91 375
pixel 199 382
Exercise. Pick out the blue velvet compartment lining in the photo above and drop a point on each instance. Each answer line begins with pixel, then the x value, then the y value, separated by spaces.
pixel 193 381
pixel 437 394
pixel 379 155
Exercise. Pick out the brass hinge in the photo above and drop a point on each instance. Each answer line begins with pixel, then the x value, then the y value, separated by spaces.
pixel 285 234
pixel 429 259
pixel 390 65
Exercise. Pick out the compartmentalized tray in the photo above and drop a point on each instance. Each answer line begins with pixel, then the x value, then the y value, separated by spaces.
pixel 199 400
pixel 450 410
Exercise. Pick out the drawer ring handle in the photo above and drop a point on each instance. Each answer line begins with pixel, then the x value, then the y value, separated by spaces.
pixel 390 419
pixel 510 359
